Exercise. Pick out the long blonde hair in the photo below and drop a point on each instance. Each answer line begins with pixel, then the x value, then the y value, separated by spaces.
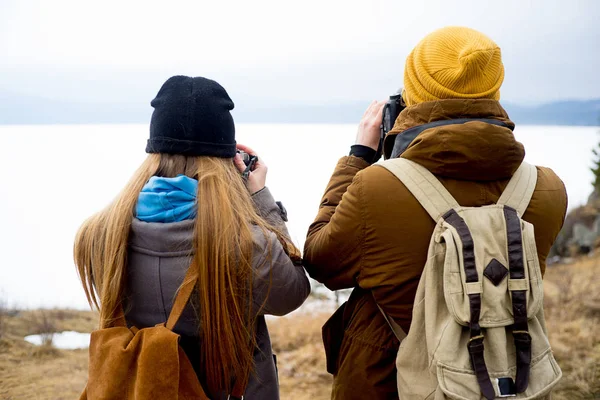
pixel 223 245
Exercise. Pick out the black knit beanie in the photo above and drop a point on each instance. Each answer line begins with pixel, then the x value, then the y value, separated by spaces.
pixel 191 117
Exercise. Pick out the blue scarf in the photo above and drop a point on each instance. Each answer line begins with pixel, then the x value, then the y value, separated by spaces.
pixel 167 199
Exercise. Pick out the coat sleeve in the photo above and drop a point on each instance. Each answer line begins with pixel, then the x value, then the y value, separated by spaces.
pixel 546 211
pixel 279 285
pixel 271 211
pixel 333 249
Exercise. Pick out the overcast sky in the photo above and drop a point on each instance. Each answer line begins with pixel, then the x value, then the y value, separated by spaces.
pixel 307 52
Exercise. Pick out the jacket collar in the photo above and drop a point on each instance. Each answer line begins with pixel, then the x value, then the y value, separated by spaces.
pixel 470 151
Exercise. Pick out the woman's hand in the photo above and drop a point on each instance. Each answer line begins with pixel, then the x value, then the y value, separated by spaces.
pixel 258 175
pixel 369 129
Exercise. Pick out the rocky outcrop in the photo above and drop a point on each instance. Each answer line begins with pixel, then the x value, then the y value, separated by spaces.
pixel 581 230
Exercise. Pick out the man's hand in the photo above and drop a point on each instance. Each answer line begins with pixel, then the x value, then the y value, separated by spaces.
pixel 369 129
pixel 258 175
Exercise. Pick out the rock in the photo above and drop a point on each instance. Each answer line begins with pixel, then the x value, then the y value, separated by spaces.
pixel 580 233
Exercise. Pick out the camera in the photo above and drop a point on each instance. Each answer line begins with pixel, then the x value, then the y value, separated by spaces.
pixel 391 110
pixel 393 107
pixel 249 160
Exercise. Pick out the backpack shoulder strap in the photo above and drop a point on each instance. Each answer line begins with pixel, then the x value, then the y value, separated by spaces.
pixel 397 329
pixel 181 300
pixel 520 188
pixel 183 296
pixel 426 188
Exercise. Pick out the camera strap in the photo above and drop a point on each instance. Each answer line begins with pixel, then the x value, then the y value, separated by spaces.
pixel 404 139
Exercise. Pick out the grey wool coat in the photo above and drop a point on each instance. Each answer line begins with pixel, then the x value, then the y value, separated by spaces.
pixel 158 257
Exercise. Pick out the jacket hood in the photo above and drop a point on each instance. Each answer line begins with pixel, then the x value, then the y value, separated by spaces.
pixel 165 239
pixel 476 150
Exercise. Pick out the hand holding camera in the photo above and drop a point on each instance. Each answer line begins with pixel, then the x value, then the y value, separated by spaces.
pixel 252 168
pixel 377 121
pixel 369 128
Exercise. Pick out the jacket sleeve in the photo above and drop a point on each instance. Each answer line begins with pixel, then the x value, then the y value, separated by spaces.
pixel 546 211
pixel 333 250
pixel 279 285
pixel 270 210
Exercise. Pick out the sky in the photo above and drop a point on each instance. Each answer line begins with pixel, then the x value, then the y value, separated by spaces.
pixel 284 52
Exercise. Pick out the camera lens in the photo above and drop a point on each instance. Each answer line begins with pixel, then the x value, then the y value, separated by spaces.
pixel 245 156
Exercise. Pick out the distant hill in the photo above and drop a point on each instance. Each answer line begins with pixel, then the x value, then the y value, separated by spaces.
pixel 16 109
pixel 22 110
pixel 585 113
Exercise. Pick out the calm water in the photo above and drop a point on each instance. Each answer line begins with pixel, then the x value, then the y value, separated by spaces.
pixel 62 340
pixel 53 177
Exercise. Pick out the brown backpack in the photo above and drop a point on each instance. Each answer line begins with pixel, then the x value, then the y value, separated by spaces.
pixel 131 363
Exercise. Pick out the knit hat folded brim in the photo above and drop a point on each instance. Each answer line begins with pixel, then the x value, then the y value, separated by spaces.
pixel 190 148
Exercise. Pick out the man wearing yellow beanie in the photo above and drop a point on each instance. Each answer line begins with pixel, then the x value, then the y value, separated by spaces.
pixel 371 234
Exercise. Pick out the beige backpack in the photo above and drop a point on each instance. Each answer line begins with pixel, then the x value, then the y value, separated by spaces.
pixel 478 328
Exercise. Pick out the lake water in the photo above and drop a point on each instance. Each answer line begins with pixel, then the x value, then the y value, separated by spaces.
pixel 68 340
pixel 53 177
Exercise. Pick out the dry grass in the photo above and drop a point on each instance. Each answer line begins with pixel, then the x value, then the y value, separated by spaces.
pixel 30 322
pixel 300 357
pixel 572 307
pixel 44 372
pixel 572 295
pixel 3 315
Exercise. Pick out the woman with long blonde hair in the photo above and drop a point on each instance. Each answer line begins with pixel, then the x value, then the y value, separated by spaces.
pixel 194 203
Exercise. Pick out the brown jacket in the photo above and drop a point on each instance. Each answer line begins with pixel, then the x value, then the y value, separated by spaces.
pixel 371 234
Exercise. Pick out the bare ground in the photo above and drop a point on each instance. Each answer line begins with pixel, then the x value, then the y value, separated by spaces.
pixel 572 303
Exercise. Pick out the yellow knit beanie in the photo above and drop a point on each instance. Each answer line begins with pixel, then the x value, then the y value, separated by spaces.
pixel 453 63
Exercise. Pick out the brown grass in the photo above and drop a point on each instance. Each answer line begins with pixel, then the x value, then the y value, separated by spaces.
pixel 300 357
pixel 572 301
pixel 572 307
pixel 44 372
pixel 3 315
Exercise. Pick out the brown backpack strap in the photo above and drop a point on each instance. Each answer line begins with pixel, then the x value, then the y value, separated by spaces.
pixel 120 317
pixel 181 300
pixel 397 329
pixel 183 296
pixel 238 391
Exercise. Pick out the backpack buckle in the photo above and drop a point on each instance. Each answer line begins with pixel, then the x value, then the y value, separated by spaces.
pixel 506 387
pixel 230 397
pixel 478 337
